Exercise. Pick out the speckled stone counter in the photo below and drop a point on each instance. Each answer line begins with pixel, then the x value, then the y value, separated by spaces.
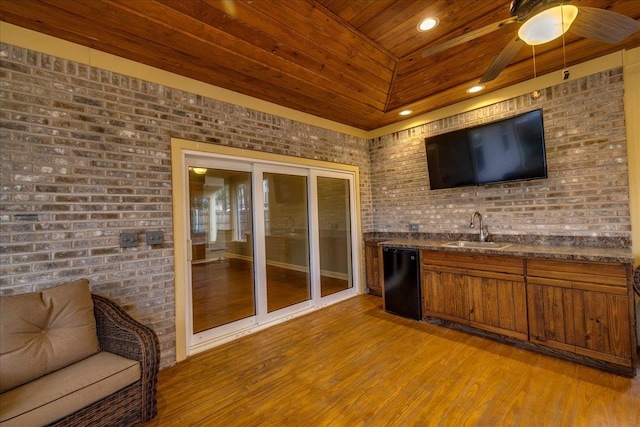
pixel 577 253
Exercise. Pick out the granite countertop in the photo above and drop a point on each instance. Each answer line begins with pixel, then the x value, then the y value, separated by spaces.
pixel 577 253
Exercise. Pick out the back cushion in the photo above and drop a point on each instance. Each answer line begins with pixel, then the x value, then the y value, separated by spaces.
pixel 44 331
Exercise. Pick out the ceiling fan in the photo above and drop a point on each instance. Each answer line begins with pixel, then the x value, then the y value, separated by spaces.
pixel 588 22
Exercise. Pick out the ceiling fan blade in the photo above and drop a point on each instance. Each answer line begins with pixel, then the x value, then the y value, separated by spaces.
pixel 502 60
pixel 467 37
pixel 603 25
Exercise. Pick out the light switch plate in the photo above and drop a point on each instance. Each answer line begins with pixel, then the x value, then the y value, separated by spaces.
pixel 155 238
pixel 128 240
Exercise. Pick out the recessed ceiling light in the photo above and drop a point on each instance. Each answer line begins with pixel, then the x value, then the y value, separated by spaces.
pixel 405 112
pixel 428 24
pixel 475 89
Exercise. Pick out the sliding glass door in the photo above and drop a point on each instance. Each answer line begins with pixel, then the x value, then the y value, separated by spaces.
pixel 334 234
pixel 286 239
pixel 267 241
pixel 221 226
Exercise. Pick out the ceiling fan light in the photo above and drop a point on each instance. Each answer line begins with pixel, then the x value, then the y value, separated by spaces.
pixel 428 24
pixel 548 24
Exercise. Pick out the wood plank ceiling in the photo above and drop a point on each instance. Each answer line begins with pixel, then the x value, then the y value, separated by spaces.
pixel 356 62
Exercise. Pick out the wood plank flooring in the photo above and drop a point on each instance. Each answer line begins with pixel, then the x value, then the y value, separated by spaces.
pixel 352 364
pixel 223 291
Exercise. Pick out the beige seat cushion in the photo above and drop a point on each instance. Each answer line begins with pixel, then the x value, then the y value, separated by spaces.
pixel 44 331
pixel 63 392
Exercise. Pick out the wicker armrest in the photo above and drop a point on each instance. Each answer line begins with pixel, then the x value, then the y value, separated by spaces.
pixel 121 334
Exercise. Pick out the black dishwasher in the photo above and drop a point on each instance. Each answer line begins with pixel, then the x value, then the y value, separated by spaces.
pixel 402 295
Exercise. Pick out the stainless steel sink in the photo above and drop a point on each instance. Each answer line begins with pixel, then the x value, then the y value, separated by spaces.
pixel 476 245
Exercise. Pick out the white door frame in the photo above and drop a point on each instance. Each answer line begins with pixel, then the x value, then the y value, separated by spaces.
pixel 353 266
pixel 277 164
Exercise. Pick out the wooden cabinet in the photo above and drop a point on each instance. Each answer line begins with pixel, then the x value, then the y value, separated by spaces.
pixel 483 291
pixel 499 305
pixel 579 310
pixel 198 252
pixel 582 307
pixel 444 294
pixel 373 267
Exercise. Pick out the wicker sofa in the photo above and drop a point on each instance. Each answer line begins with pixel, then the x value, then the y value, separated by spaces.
pixel 83 392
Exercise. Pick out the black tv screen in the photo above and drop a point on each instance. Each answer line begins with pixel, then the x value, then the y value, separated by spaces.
pixel 506 150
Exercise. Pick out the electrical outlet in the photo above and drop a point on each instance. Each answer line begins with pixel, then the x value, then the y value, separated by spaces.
pixel 414 227
pixel 155 238
pixel 128 240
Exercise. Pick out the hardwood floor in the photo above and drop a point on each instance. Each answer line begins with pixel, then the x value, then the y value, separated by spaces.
pixel 352 364
pixel 223 291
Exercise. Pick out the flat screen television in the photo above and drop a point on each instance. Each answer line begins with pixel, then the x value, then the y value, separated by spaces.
pixel 502 151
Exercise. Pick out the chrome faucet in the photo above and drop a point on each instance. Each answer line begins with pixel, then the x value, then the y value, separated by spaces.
pixel 484 232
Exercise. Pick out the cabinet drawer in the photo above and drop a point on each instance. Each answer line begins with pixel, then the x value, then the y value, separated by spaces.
pixel 467 263
pixel 579 274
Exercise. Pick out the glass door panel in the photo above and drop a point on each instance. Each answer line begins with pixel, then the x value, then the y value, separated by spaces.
pixel 334 220
pixel 222 285
pixel 286 238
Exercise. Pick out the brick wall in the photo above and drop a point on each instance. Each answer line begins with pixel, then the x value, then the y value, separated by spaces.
pixel 85 156
pixel 586 193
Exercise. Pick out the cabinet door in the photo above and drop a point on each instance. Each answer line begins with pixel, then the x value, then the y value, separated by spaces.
pixel 551 316
pixel 583 307
pixel 498 305
pixel 602 326
pixel 445 295
pixel 373 258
